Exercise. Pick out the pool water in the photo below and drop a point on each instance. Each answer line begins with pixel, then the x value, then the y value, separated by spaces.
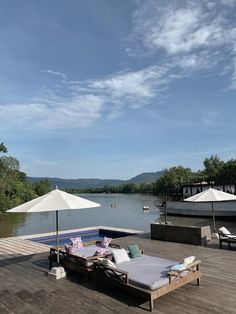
pixel 86 236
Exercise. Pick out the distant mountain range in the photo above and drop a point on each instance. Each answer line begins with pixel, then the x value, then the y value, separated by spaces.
pixel 146 177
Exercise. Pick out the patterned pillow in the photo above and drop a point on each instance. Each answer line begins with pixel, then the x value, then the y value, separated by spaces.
pixel 106 242
pixel 69 249
pixel 102 251
pixel 76 243
pixel 106 262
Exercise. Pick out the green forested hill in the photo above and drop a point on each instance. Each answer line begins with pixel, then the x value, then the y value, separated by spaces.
pixel 147 177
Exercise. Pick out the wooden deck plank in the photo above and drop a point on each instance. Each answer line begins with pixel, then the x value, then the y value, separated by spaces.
pixel 25 288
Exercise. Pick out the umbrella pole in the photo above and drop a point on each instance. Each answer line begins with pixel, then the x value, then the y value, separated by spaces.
pixel 165 210
pixel 213 216
pixel 57 238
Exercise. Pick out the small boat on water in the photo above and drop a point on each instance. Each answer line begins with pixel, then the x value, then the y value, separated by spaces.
pixel 145 208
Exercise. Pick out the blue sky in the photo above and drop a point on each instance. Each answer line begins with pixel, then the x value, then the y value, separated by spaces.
pixel 110 89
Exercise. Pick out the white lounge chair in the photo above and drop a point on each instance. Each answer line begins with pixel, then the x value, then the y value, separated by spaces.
pixel 226 236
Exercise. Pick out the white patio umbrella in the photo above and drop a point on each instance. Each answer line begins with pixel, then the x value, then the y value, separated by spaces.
pixel 54 201
pixel 211 195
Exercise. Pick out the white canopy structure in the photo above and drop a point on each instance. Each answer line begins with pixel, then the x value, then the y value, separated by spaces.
pixel 54 201
pixel 211 195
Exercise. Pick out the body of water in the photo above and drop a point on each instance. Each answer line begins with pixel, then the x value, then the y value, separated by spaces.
pixel 127 213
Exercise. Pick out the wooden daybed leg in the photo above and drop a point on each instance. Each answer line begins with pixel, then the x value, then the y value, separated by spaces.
pixel 151 304
pixel 50 261
pixel 220 244
pixel 198 279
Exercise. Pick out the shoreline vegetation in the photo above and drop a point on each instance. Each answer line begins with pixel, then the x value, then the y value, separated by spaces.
pixel 15 189
pixel 170 183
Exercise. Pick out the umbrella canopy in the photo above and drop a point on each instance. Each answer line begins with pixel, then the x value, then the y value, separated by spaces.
pixel 54 201
pixel 211 195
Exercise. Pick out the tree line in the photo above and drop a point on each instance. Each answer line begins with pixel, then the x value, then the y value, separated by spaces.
pixel 215 171
pixel 14 187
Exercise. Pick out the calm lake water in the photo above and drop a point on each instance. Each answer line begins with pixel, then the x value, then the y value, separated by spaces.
pixel 128 213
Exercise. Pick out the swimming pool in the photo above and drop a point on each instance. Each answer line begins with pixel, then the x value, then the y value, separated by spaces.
pixel 86 236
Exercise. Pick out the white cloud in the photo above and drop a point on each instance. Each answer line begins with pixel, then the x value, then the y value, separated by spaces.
pixel 134 88
pixel 78 112
pixel 196 35
pixel 233 77
pixel 89 101
pixel 209 118
pixel 183 37
pixel 228 2
pixel 60 74
pixel 178 27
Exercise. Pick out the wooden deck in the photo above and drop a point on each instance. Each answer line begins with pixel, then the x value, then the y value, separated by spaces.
pixel 25 287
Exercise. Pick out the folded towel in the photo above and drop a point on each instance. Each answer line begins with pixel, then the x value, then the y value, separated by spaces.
pixel 188 260
pixel 178 267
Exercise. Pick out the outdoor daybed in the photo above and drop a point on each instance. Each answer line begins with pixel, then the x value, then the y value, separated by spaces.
pixel 83 261
pixel 147 276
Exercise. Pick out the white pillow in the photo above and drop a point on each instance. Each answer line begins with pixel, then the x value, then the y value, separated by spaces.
pixel 224 230
pixel 189 260
pixel 120 255
pixel 107 262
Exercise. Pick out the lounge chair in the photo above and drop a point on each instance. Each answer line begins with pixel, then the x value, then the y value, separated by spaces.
pixel 226 236
pixel 83 261
pixel 147 276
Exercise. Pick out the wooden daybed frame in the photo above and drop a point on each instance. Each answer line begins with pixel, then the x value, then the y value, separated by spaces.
pixel 83 265
pixel 121 278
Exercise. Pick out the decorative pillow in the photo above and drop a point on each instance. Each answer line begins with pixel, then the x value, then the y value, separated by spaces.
pixel 120 255
pixel 134 250
pixel 76 242
pixel 102 251
pixel 178 267
pixel 70 249
pixel 106 262
pixel 224 230
pixel 188 260
pixel 106 242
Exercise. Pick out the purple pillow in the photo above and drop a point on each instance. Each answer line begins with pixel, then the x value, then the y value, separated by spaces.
pixel 102 251
pixel 106 242
pixel 76 243
pixel 69 249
